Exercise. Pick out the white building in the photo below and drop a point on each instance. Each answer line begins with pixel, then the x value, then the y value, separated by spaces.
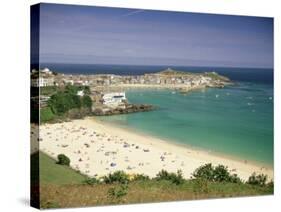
pixel 46 71
pixel 113 99
pixel 42 82
pixel 80 93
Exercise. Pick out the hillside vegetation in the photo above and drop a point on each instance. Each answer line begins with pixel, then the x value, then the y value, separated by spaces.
pixel 65 103
pixel 63 187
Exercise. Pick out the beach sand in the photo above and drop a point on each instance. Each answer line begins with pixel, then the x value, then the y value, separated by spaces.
pixel 97 148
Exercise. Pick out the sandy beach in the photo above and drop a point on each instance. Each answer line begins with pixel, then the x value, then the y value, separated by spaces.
pixel 96 148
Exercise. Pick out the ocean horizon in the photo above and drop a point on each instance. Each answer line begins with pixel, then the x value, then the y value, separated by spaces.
pixel 236 120
pixel 263 75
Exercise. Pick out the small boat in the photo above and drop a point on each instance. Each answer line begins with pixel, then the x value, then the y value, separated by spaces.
pixel 217 96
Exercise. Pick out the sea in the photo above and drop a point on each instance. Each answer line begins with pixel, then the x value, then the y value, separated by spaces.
pixel 236 121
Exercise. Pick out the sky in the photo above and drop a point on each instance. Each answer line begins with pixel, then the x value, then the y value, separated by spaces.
pixel 103 35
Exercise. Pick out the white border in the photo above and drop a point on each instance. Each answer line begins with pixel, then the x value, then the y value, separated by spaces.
pixel 14 149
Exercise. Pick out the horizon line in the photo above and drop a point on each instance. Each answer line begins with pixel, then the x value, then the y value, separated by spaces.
pixel 171 65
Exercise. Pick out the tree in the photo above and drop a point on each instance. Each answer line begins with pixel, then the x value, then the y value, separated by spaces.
pixel 61 102
pixel 58 103
pixel 86 101
pixel 87 90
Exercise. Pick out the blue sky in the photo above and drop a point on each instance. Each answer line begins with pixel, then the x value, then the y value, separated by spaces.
pixel 99 35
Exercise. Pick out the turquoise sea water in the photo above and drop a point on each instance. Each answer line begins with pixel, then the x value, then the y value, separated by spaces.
pixel 236 120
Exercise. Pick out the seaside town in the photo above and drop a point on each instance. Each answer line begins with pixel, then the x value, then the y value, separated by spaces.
pixel 108 91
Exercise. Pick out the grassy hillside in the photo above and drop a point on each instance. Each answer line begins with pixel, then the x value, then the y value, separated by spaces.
pixel 52 173
pixel 61 186
pixel 141 192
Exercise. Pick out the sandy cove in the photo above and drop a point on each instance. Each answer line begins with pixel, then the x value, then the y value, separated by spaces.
pixel 96 148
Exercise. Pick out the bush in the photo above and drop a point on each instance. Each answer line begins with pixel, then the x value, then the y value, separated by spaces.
pixel 63 160
pixel 91 181
pixel 270 184
pixel 175 178
pixel 118 176
pixel 259 180
pixel 86 101
pixel 46 114
pixel 219 173
pixel 204 172
pixel 141 177
pixel 71 89
pixel 235 179
pixel 87 90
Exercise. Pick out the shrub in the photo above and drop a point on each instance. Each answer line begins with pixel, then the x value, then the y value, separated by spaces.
pixel 91 181
pixel 204 172
pixel 235 179
pixel 63 160
pixel 175 178
pixel 118 176
pixel 219 173
pixel 118 192
pixel 46 114
pixel 141 177
pixel 259 180
pixel 71 89
pixel 87 90
pixel 86 101
pixel 270 184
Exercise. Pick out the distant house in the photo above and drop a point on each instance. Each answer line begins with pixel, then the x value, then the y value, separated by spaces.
pixel 42 78
pixel 42 81
pixel 46 71
pixel 80 93
pixel 113 99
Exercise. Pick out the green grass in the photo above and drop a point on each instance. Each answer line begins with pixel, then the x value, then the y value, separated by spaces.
pixel 46 114
pixel 53 173
pixel 54 196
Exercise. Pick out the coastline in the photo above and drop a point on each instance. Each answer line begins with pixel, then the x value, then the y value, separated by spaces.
pixel 189 147
pixel 97 148
pixel 181 87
